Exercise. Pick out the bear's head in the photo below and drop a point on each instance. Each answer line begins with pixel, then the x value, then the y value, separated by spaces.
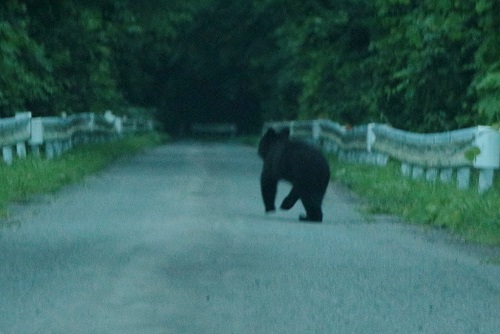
pixel 270 138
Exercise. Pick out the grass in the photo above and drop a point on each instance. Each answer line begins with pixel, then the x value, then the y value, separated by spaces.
pixel 467 214
pixel 31 176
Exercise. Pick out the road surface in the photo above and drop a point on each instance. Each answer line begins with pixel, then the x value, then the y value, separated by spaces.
pixel 175 240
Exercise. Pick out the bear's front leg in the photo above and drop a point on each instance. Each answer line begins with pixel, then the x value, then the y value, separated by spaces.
pixel 268 186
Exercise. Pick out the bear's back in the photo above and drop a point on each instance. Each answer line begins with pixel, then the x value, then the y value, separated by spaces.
pixel 303 161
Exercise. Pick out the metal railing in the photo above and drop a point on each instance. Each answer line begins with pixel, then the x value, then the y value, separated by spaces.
pixel 55 135
pixel 429 156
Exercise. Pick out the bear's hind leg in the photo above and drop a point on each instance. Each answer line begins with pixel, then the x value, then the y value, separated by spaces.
pixel 290 200
pixel 313 210
pixel 316 217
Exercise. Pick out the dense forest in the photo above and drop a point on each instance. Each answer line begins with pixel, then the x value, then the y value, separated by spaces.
pixel 426 65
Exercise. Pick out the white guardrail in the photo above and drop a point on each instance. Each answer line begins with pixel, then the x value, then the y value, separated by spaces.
pixel 426 156
pixel 58 134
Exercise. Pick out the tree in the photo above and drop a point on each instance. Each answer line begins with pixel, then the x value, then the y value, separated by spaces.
pixel 26 70
pixel 419 65
pixel 486 83
pixel 78 42
pixel 424 60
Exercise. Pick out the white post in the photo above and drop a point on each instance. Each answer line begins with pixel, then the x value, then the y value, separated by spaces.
pixel 118 126
pixel 382 159
pixel 21 146
pixel 49 150
pixel 36 139
pixel 463 177
pixel 485 180
pixel 21 150
pixel 316 131
pixel 446 175
pixel 488 142
pixel 91 122
pixel 418 172
pixel 370 137
pixel 431 174
pixel 7 155
pixel 292 128
pixel 58 147
pixel 406 169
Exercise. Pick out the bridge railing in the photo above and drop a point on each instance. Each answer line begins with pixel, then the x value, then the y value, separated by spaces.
pixel 55 135
pixel 427 156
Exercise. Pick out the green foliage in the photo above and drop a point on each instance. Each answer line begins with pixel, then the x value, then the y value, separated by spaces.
pixel 472 153
pixel 419 65
pixel 321 48
pixel 423 59
pixel 78 39
pixel 486 83
pixel 466 214
pixel 80 56
pixel 24 67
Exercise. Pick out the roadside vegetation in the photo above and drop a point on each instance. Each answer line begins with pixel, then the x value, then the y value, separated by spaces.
pixel 421 66
pixel 465 213
pixel 32 176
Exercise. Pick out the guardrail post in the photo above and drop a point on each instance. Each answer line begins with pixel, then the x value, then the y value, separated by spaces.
pixel 406 169
pixel 418 172
pixel 446 175
pixel 316 131
pixel 58 147
pixel 49 150
pixel 118 126
pixel 488 142
pixel 90 136
pixel 485 179
pixel 463 177
pixel 382 159
pixel 21 150
pixel 370 137
pixel 377 158
pixel 21 146
pixel 36 139
pixel 7 155
pixel 292 128
pixel 431 174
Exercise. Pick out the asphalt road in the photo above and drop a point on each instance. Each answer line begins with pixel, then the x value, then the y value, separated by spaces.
pixel 175 240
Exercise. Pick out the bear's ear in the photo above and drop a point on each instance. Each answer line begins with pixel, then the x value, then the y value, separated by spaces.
pixel 284 133
pixel 270 133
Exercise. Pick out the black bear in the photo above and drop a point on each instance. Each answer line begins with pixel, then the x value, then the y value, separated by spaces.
pixel 299 163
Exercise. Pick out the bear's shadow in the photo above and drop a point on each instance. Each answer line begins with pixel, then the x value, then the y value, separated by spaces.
pixel 277 218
